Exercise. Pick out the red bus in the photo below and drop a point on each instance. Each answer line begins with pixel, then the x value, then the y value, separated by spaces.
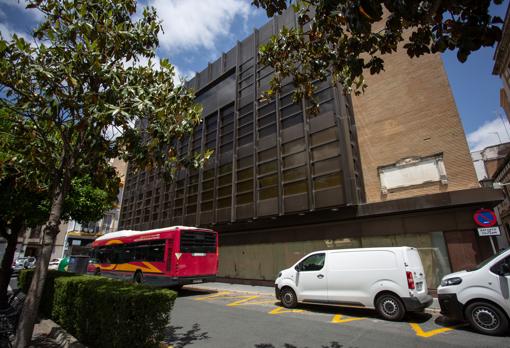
pixel 171 256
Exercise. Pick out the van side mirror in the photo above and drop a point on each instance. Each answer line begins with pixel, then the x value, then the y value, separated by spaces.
pixel 297 268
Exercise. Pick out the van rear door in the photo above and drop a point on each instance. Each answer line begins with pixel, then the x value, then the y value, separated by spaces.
pixel 415 273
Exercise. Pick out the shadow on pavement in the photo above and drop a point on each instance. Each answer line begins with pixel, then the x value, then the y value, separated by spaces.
pixel 179 337
pixel 288 345
pixel 185 292
pixel 460 325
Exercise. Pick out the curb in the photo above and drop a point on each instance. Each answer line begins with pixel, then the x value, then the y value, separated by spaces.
pixel 47 328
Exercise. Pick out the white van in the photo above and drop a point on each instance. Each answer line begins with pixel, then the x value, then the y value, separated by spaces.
pixel 480 295
pixel 391 280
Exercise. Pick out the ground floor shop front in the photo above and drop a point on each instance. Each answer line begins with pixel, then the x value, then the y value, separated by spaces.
pixel 440 226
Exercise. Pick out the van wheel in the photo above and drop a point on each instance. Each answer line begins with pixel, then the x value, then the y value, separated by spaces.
pixel 486 318
pixel 138 277
pixel 390 307
pixel 288 298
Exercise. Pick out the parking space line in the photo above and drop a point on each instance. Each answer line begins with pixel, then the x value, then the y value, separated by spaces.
pixel 281 310
pixel 213 296
pixel 337 319
pixel 249 301
pixel 240 302
pixel 426 334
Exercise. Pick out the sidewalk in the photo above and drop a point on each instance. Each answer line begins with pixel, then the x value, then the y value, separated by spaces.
pixel 267 290
pixel 47 334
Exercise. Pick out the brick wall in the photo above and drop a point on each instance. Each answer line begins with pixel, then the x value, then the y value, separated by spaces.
pixel 408 110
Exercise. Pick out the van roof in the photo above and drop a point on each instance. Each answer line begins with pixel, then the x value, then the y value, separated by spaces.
pixel 364 249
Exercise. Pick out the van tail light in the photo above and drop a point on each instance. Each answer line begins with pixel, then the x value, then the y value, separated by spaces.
pixel 410 280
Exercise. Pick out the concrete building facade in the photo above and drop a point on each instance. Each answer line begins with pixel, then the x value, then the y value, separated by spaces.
pixel 387 168
pixel 30 243
pixel 407 116
pixel 78 237
pixel 502 65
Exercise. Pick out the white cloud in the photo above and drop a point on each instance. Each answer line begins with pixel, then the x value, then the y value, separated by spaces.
pixel 7 33
pixel 490 133
pixel 182 75
pixel 192 24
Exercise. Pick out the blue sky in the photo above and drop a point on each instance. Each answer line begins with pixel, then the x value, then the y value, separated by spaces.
pixel 197 31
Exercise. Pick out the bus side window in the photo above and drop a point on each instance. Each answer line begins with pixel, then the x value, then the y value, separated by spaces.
pixel 125 255
pixel 100 255
pixel 139 254
pixel 155 252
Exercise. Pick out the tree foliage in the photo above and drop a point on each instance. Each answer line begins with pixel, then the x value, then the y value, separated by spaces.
pixel 88 99
pixel 26 204
pixel 345 38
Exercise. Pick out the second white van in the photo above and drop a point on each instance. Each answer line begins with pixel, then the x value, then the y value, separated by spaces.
pixel 480 295
pixel 391 280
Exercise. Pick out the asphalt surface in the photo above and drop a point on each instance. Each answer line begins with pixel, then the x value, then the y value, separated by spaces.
pixel 231 318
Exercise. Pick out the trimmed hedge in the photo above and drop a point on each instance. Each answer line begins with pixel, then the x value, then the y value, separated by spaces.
pixel 25 278
pixel 102 312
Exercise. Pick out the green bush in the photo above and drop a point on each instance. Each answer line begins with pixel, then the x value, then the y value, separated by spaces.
pixel 102 312
pixel 25 278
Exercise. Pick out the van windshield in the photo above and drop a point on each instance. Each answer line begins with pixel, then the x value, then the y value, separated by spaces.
pixel 486 261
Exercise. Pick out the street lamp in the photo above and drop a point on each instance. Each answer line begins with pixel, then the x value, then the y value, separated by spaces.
pixel 499 185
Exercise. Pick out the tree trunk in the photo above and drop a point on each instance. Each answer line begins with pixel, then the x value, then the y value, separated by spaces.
pixel 6 270
pixel 33 299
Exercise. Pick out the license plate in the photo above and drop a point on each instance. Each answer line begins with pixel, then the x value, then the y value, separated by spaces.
pixel 197 281
pixel 419 286
pixel 198 254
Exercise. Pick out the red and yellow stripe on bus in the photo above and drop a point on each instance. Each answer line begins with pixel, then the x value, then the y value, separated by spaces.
pixel 146 267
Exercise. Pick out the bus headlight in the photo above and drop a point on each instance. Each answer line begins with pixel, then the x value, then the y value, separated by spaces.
pixel 451 281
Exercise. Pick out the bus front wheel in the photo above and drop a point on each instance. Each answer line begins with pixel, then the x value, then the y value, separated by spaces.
pixel 138 277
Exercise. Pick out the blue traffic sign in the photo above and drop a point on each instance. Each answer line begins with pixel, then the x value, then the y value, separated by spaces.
pixel 485 218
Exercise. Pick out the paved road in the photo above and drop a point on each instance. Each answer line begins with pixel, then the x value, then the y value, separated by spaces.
pixel 241 319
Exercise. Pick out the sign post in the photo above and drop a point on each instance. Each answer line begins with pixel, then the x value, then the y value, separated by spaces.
pixel 486 219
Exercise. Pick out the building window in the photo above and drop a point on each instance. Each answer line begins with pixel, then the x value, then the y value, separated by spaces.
pixel 413 171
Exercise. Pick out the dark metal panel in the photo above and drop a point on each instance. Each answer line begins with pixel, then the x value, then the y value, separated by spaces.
pixel 278 140
pixel 267 206
pixel 292 133
pixel 255 121
pixel 234 150
pixel 275 131
pixel 350 190
pixel 216 165
pixel 296 203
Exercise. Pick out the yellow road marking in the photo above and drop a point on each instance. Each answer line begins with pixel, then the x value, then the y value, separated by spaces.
pixel 337 319
pixel 261 302
pixel 248 301
pixel 426 334
pixel 280 310
pixel 216 295
pixel 240 302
